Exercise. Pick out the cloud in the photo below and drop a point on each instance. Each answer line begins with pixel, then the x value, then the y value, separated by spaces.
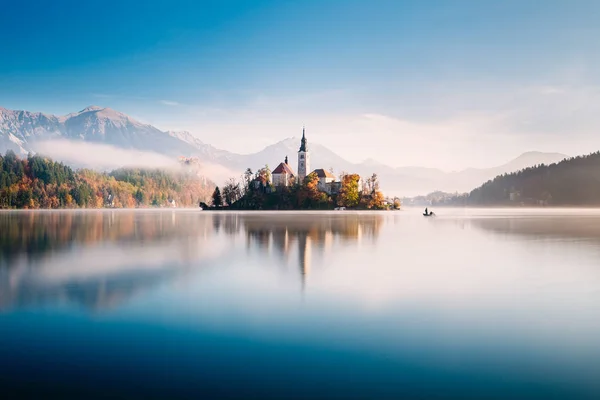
pixel 169 103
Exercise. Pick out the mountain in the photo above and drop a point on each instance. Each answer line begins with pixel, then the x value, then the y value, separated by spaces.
pixel 23 131
pixel 464 181
pixel 571 182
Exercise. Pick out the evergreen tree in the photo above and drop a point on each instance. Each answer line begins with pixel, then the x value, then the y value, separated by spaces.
pixel 217 200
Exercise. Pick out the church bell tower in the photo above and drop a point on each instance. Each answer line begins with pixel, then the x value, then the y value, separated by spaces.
pixel 303 159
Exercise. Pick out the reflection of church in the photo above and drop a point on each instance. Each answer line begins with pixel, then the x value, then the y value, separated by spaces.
pixel 297 239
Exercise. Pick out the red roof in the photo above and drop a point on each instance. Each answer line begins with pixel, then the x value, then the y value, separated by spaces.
pixel 321 173
pixel 283 168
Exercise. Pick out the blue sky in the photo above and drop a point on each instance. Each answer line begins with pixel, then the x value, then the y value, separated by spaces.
pixel 478 81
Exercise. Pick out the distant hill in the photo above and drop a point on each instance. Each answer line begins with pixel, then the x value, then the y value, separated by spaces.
pixel 62 138
pixel 572 182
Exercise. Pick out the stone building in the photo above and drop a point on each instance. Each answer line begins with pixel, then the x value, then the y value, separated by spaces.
pixel 283 174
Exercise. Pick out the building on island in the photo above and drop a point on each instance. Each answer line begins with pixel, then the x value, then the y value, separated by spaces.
pixel 327 181
pixel 283 174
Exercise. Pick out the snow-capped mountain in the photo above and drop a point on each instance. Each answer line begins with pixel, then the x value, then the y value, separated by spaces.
pixel 21 131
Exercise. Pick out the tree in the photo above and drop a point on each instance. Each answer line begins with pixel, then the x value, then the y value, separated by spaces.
pixel 267 172
pixel 140 197
pixel 349 195
pixel 377 201
pixel 309 195
pixel 248 178
pixel 232 192
pixel 217 200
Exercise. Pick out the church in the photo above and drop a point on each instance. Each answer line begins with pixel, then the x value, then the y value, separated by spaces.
pixel 283 175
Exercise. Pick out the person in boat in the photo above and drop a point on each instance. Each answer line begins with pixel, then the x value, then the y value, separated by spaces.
pixel 426 213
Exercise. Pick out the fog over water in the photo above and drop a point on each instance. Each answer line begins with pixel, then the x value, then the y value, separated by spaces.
pixel 190 304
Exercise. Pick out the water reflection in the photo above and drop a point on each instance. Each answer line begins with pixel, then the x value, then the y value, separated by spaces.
pixel 543 226
pixel 306 234
pixel 95 259
pixel 99 259
pixel 394 305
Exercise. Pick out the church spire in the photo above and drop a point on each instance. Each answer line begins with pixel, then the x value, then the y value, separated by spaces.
pixel 303 141
pixel 303 158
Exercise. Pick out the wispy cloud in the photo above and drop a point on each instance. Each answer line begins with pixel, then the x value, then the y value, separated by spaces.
pixel 169 103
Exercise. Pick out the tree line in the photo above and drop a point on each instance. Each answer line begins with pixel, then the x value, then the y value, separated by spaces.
pixel 38 182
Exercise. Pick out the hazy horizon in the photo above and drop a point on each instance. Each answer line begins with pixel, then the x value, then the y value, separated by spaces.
pixel 105 156
pixel 446 85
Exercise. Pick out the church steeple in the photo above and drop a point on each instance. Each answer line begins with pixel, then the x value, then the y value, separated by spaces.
pixel 303 141
pixel 303 159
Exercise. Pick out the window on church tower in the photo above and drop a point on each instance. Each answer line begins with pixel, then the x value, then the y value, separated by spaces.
pixel 302 156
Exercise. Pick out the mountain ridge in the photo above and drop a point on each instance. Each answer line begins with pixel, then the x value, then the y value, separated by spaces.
pixel 22 131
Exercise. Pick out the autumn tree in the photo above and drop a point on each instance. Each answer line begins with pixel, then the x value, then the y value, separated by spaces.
pixel 376 201
pixel 349 195
pixel 309 195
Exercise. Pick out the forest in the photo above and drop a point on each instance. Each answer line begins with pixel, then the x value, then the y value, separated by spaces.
pixel 571 182
pixel 36 182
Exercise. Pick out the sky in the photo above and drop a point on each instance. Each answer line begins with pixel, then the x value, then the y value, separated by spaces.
pixel 437 83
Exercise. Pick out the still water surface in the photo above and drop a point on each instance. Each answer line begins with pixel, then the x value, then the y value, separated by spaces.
pixel 189 304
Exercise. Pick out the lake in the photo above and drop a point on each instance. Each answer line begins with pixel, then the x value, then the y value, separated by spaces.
pixel 195 304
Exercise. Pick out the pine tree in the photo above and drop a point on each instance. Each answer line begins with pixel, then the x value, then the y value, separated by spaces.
pixel 217 200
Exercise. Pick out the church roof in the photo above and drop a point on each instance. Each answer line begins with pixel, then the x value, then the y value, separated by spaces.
pixel 321 173
pixel 283 168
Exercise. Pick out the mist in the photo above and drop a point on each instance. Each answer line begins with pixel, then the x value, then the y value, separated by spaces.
pixel 100 156
pixel 104 157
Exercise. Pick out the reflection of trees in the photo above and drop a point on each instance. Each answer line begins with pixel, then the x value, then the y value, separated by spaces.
pixel 33 234
pixel 30 241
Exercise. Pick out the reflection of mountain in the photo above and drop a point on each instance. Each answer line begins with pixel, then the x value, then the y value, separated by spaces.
pixel 96 258
pixel 307 233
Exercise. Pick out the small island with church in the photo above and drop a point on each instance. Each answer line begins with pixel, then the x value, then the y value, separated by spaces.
pixel 282 189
